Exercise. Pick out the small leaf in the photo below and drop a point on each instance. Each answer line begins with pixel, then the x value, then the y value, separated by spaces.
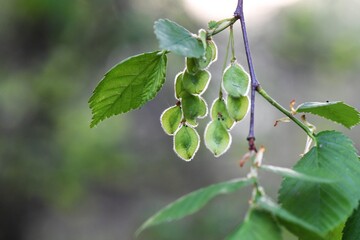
pixel 236 80
pixel 193 107
pixel 178 85
pixel 186 142
pixel 196 83
pixel 287 172
pixel 175 38
pixel 324 205
pixel 238 107
pixel 352 226
pixel 258 225
pixel 171 119
pixel 128 85
pixel 194 201
pixel 219 111
pixel 336 111
pixel 217 138
pixel 212 24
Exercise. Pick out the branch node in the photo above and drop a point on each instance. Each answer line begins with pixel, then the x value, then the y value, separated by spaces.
pixel 252 146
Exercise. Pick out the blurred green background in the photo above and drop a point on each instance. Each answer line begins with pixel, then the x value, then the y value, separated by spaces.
pixel 59 179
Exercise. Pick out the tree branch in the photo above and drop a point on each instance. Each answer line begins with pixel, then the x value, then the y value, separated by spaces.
pixel 239 13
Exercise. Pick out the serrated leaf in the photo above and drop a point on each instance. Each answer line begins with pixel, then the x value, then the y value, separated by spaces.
pixel 238 107
pixel 171 119
pixel 258 225
pixel 177 39
pixel 194 201
pixel 219 112
pixel 217 138
pixel 325 206
pixel 352 226
pixel 193 107
pixel 196 83
pixel 128 85
pixel 186 142
pixel 336 111
pixel 235 80
pixel 287 172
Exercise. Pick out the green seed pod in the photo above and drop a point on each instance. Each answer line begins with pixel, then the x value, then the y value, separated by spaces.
pixel 186 142
pixel 170 119
pixel 219 111
pixel 178 85
pixel 193 107
pixel 238 107
pixel 202 35
pixel 210 55
pixel 236 80
pixel 192 65
pixel 214 50
pixel 217 138
pixel 197 83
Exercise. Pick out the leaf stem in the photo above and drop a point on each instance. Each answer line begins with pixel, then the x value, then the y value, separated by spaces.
pixel 308 131
pixel 222 26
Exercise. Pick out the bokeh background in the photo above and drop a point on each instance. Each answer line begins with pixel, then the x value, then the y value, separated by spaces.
pixel 59 179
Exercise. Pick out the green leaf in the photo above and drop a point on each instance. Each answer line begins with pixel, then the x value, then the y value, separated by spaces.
pixel 177 39
pixel 324 205
pixel 352 226
pixel 287 172
pixel 171 119
pixel 258 225
pixel 335 234
pixel 186 142
pixel 238 107
pixel 336 111
pixel 128 85
pixel 217 138
pixel 219 111
pixel 193 202
pixel 196 83
pixel 266 204
pixel 236 81
pixel 212 24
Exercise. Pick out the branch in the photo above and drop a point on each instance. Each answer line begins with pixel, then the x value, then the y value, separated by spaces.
pixel 308 131
pixel 239 13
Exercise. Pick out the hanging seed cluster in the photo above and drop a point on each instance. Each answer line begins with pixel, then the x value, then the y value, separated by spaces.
pixel 180 120
pixel 224 113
